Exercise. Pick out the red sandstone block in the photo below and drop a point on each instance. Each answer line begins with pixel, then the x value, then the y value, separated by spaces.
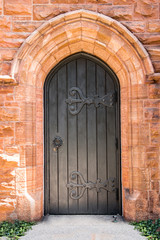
pixel 144 10
pixel 5 68
pixel 9 114
pixel 155 174
pixel 152 103
pixel 11 150
pixel 120 13
pixel 7 54
pixel 155 185
pixel 135 26
pixel 5 23
pixel 5 164
pixel 6 41
pixel 90 7
pixel 9 97
pixel 17 8
pixel 151 114
pixel 156 65
pixel 148 39
pixel 11 104
pixel 154 52
pixel 6 130
pixel 154 91
pixel 8 141
pixel 41 12
pixel 142 91
pixel 151 163
pixel 153 26
pixel 6 90
pixel 155 130
pixel 152 148
pixel 25 26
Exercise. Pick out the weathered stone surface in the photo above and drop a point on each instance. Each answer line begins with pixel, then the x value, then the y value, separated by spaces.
pixel 152 103
pixel 6 130
pixel 6 40
pixel 7 54
pixel 5 68
pixel 154 52
pixel 153 26
pixel 7 162
pixel 145 9
pixel 41 12
pixel 120 13
pixel 17 8
pixel 152 114
pixel 5 23
pixel 9 114
pixel 135 26
pixel 25 26
pixel 156 65
pixel 154 91
pixel 146 39
pixel 155 130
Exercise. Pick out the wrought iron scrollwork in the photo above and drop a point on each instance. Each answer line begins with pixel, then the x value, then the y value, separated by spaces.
pixel 76 104
pixel 108 185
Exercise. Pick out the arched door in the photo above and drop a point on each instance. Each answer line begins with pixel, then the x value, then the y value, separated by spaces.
pixel 82 156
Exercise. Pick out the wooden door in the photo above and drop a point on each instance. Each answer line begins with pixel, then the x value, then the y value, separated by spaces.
pixel 82 171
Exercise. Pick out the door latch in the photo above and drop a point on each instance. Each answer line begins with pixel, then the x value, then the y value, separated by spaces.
pixel 57 143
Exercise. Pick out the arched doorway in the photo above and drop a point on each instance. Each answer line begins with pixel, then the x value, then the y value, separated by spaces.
pixel 108 40
pixel 82 138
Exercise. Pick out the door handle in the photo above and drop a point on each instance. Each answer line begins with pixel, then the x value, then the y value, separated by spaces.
pixel 57 143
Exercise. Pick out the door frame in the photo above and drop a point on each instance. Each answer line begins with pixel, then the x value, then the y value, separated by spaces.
pixel 46 125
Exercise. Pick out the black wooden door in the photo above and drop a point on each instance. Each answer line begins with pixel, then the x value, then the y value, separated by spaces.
pixel 82 134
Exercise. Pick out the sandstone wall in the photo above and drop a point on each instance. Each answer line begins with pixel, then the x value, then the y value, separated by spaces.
pixel 18 19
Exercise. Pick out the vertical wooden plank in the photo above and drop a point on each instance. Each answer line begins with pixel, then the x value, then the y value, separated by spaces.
pixel 111 147
pixel 82 136
pixel 92 147
pixel 101 140
pixel 54 197
pixel 72 134
pixel 62 132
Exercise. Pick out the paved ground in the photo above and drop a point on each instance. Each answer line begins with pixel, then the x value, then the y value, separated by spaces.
pixel 82 228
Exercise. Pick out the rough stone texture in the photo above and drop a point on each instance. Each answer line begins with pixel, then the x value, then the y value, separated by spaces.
pixel 21 99
pixel 17 8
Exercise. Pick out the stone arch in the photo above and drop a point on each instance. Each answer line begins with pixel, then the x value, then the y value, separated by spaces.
pixel 58 38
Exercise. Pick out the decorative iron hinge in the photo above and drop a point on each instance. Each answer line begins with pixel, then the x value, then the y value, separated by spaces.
pixel 76 104
pixel 108 185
